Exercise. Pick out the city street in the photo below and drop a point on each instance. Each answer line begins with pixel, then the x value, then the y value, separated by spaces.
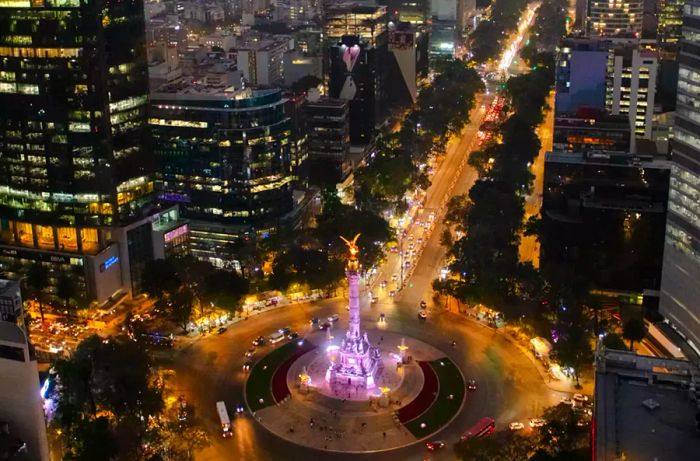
pixel 529 247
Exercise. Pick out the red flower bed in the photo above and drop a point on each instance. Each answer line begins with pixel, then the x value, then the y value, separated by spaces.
pixel 425 397
pixel 280 390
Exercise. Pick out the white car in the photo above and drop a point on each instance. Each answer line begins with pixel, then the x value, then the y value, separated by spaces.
pixel 566 401
pixel 516 426
pixel 334 318
pixel 422 314
pixel 580 398
pixel 537 422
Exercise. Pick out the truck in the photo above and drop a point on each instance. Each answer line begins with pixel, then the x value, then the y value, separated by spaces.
pixel 225 421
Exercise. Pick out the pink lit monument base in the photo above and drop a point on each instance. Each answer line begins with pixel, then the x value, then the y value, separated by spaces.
pixel 355 363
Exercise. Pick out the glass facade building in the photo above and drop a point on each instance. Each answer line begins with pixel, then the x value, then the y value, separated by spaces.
pixel 615 17
pixel 74 156
pixel 680 290
pixel 224 158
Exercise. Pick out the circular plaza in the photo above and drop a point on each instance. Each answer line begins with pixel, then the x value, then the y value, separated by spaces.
pixel 416 391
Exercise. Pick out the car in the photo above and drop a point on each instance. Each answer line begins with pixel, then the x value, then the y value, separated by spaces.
pixel 423 304
pixel 292 335
pixel 374 300
pixel 471 385
pixel 314 321
pixel 222 330
pixel 392 293
pixel 383 284
pixel 285 330
pixel 567 401
pixel 394 277
pixel 259 341
pixel 250 352
pixel 580 398
pixel 239 408
pixel 407 264
pixel 324 326
pixel 382 318
pixel 516 426
pixel 435 445
pixel 276 337
pixel 334 318
pixel 422 315
pixel 248 363
pixel 347 307
pixel 537 422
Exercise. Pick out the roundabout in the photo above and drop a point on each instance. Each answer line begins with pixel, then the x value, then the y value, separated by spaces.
pixel 416 396
pixel 357 392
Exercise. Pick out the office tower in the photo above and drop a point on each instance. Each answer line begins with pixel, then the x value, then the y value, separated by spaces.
pixel 224 157
pixel 670 15
pixel 75 165
pixel 589 129
pixel 580 75
pixel 680 292
pixel 615 18
pixel 21 405
pixel 631 85
pixel 262 60
pixel 402 64
pixel 329 138
pixel 356 36
pixel 604 215
pixel 10 301
pixel 294 109
pixel 413 11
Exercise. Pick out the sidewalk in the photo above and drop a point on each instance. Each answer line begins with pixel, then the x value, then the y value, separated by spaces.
pixel 568 386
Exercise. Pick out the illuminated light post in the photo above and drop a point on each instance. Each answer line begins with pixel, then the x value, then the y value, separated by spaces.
pixel 304 381
pixel 402 350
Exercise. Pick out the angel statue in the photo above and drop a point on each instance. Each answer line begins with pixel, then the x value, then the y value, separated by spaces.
pixel 352 246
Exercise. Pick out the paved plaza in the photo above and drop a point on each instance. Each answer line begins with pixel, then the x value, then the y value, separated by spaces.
pixel 348 418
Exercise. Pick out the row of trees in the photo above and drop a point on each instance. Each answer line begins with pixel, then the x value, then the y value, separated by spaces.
pixel 441 111
pixel 66 294
pixel 486 42
pixel 180 284
pixel 109 406
pixel 564 437
pixel 491 214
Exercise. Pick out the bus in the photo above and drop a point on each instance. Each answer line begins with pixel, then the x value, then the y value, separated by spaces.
pixel 485 426
pixel 225 421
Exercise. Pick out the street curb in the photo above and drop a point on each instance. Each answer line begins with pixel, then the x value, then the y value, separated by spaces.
pixel 369 452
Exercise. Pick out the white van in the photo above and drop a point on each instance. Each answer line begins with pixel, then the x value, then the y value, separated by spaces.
pixel 276 337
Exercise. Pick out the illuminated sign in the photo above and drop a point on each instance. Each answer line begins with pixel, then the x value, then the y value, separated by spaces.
pixel 175 233
pixel 111 261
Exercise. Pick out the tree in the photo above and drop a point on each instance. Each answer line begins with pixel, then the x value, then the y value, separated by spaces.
pixel 95 441
pixel 501 446
pixel 633 330
pixel 36 281
pixel 562 431
pixel 66 288
pixel 182 441
pixel 614 341
pixel 305 83
pixel 111 379
pixel 224 289
pixel 574 348
pixel 160 277
pixel 180 307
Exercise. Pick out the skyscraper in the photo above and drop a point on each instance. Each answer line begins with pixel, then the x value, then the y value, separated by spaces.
pixel 680 290
pixel 74 156
pixel 615 17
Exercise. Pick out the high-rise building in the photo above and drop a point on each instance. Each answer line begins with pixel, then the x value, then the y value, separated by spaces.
pixel 224 157
pixel 604 215
pixel 21 405
pixel 413 11
pixel 329 138
pixel 75 162
pixel 588 130
pixel 357 46
pixel 262 60
pixel 615 18
pixel 670 15
pixel 580 75
pixel 680 292
pixel 631 85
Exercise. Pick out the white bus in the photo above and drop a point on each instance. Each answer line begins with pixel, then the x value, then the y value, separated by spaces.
pixel 225 421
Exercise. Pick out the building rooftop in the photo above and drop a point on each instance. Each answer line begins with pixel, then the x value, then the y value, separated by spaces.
pixel 11 333
pixel 613 158
pixel 644 410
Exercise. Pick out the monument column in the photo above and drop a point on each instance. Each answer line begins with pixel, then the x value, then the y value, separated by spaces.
pixel 354 302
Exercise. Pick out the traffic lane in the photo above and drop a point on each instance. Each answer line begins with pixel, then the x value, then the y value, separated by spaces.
pixel 209 371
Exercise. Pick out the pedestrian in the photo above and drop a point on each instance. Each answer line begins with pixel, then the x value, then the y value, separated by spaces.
pixel 384 435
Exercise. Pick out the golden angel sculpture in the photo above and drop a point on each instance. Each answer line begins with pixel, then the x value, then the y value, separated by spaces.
pixel 352 246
